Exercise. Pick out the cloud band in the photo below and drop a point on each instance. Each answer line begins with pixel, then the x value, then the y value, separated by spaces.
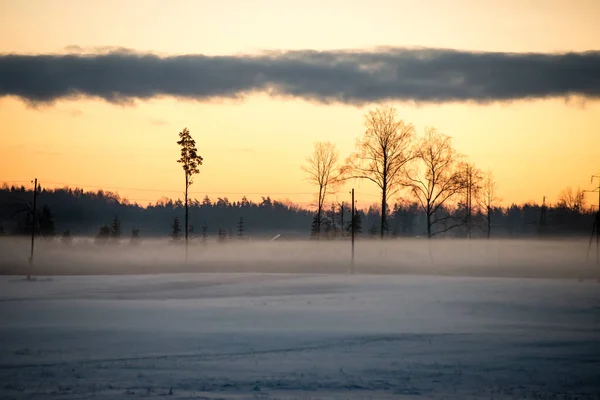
pixel 350 77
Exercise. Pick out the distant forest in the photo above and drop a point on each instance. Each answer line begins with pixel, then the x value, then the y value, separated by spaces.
pixel 74 212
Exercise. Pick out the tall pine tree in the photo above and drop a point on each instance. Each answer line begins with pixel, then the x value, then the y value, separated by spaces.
pixel 190 160
pixel 115 229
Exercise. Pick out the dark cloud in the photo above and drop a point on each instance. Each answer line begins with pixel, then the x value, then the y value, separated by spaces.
pixel 351 77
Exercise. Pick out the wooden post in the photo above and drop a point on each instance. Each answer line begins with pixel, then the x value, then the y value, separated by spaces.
pixel 34 212
pixel 352 229
pixel 342 219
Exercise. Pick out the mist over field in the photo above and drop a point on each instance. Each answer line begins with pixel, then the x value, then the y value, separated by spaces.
pixel 492 258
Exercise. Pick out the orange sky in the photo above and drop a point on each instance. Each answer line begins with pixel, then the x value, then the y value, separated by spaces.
pixel 257 145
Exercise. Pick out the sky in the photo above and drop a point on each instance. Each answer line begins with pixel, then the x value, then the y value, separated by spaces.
pixel 257 83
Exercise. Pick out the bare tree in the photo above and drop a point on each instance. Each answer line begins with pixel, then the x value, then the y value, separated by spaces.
pixel 324 172
pixel 572 199
pixel 190 161
pixel 435 178
pixel 382 154
pixel 472 184
pixel 488 199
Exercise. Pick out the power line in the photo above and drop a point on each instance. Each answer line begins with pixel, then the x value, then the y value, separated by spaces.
pixel 368 194
pixel 3 182
pixel 155 200
pixel 81 185
pixel 109 187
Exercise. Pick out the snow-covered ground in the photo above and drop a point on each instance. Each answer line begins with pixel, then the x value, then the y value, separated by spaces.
pixel 296 336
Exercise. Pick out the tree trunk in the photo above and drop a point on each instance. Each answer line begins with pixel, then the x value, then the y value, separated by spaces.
pixel 429 236
pixel 428 223
pixel 186 216
pixel 489 222
pixel 469 202
pixel 320 212
pixel 469 210
pixel 383 211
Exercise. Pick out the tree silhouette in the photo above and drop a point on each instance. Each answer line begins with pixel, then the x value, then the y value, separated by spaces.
pixel 135 236
pixel 103 235
pixel 471 187
pixel 373 231
pixel 488 199
pixel 115 229
pixel 315 227
pixel 331 217
pixel 571 199
pixel 436 178
pixel 176 230
pixel 323 172
pixel 190 160
pixel 357 224
pixel 406 218
pixel 221 235
pixel 342 225
pixel 66 237
pixel 240 230
pixel 204 232
pixel 382 154
pixel 46 223
pixel 327 227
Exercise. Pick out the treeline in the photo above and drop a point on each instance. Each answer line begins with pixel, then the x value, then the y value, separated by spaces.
pixel 85 212
pixel 80 213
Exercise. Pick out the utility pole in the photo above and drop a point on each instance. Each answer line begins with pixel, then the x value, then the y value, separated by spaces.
pixel 34 212
pixel 353 224
pixel 598 222
pixel 333 220
pixel 543 218
pixel 469 206
pixel 596 226
pixel 342 218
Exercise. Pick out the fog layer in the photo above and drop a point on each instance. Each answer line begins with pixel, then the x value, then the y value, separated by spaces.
pixel 493 258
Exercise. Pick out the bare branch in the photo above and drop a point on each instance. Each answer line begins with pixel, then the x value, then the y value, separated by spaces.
pixel 437 232
pixel 438 181
pixel 325 173
pixel 571 200
pixel 382 153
